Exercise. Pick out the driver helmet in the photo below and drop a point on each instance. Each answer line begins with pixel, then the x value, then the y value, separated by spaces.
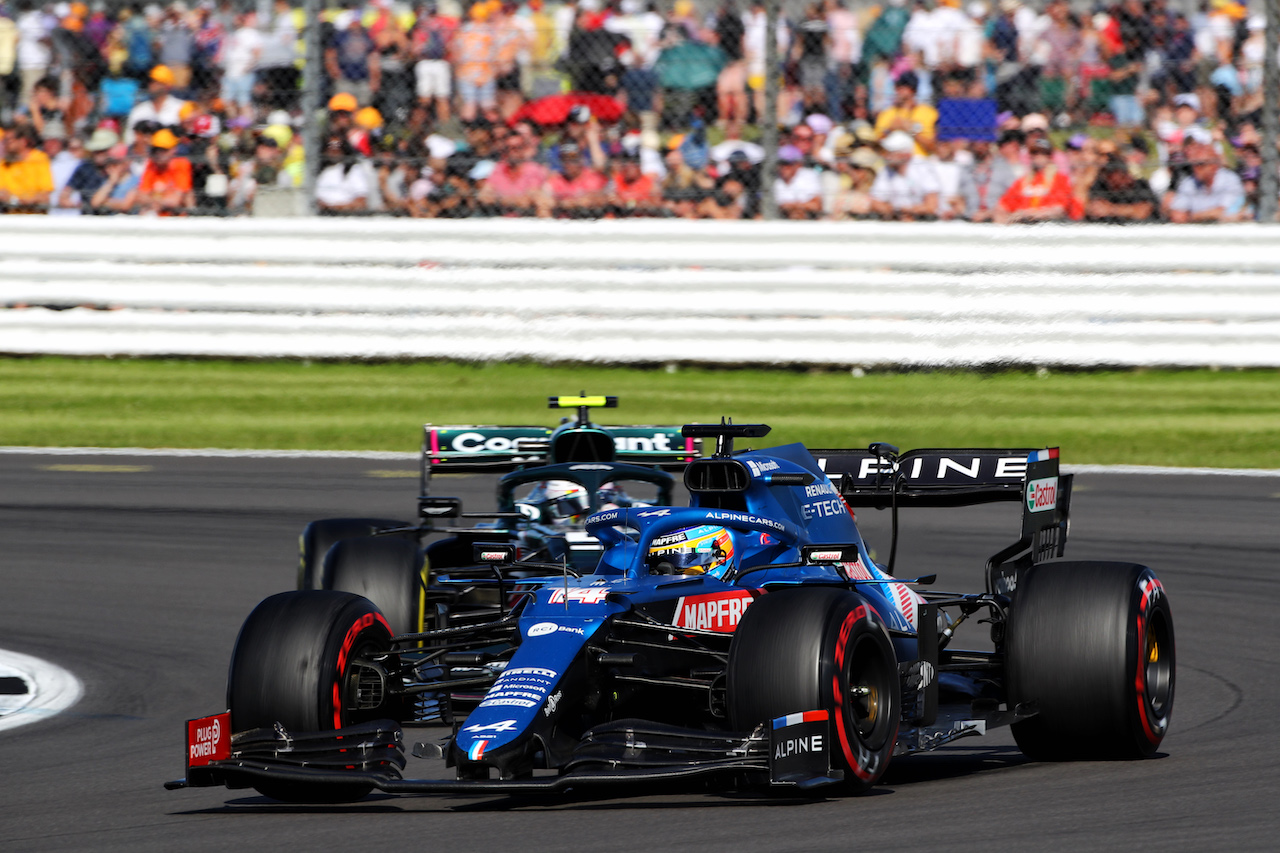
pixel 612 496
pixel 704 549
pixel 560 503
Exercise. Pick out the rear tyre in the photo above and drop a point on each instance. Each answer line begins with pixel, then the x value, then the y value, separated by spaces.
pixel 1091 644
pixel 389 571
pixel 319 536
pixel 819 649
pixel 292 664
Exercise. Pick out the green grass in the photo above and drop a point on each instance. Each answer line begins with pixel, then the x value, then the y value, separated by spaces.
pixel 1193 418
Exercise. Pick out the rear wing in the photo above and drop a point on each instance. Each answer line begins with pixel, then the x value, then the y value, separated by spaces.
pixel 882 478
pixel 499 449
pixel 879 477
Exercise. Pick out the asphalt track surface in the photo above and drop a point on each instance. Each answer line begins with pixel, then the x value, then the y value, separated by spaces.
pixel 136 573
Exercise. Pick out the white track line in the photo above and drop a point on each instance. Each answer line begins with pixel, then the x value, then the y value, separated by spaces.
pixel 397 456
pixel 52 690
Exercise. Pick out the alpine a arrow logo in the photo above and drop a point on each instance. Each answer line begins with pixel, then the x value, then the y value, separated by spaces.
pixel 504 726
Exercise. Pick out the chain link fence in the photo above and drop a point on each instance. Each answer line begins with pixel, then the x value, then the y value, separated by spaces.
pixel 1142 110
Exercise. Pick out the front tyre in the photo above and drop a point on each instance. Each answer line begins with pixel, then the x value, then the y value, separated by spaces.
pixel 1091 645
pixel 294 663
pixel 819 649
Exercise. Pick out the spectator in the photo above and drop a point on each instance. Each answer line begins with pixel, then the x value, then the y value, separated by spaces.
pixel 342 110
pixel 351 60
pixel 240 55
pixel 92 171
pixel 277 71
pixel 9 81
pixel 907 115
pixel 884 36
pixel 475 61
pixel 114 195
pixel 949 168
pixel 1042 195
pixel 1211 193
pixel 343 184
pixel 640 29
pixel 165 186
pixel 576 191
pixel 684 188
pixel 1083 166
pixel 1118 197
pixel 62 165
pixel 515 187
pixel 985 181
pixel 394 94
pixel 1059 45
pixel 736 194
pixel 845 55
pixel 631 192
pixel 754 49
pixel 797 189
pixel 47 110
pixel 1126 70
pixel 98 27
pixel 907 189
pixel 34 47
pixel 431 42
pixel 857 174
pixel 26 181
pixel 687 71
pixel 581 130
pixel 137 39
pixel 731 85
pixel 810 56
pixel 804 140
pixel 160 106
pixel 733 142
pixel 177 44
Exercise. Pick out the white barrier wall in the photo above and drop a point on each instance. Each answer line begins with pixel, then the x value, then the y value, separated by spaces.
pixel 643 291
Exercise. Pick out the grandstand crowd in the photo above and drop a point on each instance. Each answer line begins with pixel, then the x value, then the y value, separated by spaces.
pixel 939 109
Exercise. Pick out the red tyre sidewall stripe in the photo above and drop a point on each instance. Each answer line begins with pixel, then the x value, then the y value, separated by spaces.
pixel 1140 677
pixel 348 642
pixel 846 628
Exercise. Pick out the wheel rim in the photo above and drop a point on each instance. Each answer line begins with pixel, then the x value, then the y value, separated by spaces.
pixel 870 684
pixel 1158 662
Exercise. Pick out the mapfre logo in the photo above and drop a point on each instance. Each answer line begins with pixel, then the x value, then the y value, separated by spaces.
pixel 717 611
pixel 1042 495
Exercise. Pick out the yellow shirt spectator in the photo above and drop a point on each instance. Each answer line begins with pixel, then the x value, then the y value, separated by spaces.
pixel 917 120
pixel 26 180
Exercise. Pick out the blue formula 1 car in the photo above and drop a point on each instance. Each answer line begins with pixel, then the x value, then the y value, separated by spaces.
pixel 748 637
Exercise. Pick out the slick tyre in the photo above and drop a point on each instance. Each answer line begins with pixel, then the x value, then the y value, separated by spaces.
pixel 819 649
pixel 319 536
pixel 292 664
pixel 389 571
pixel 1091 646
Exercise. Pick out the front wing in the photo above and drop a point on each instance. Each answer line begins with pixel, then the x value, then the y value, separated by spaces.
pixel 621 752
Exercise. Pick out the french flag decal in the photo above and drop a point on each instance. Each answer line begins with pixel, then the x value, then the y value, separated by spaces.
pixel 796 719
pixel 1043 455
pixel 477 750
